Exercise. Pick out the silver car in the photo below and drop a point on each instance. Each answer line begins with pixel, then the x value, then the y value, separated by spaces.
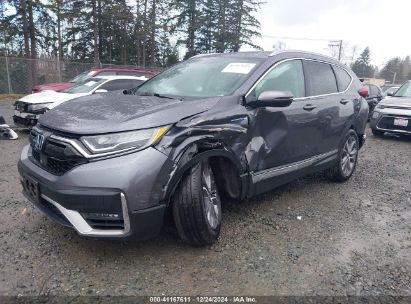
pixel 393 114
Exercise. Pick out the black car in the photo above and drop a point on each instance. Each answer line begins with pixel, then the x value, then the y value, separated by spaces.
pixel 215 126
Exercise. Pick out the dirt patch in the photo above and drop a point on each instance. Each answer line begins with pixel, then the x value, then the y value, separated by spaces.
pixel 310 237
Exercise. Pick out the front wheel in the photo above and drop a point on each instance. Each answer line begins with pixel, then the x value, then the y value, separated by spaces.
pixel 347 159
pixel 197 206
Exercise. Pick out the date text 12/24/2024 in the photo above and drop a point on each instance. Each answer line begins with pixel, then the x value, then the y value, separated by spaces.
pixel 202 299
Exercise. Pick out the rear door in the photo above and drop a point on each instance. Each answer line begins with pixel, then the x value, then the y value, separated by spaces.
pixel 324 102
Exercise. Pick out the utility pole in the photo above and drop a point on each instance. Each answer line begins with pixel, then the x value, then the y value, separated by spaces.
pixel 336 43
pixel 340 50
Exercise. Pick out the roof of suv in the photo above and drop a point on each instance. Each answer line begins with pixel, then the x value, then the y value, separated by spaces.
pixel 268 54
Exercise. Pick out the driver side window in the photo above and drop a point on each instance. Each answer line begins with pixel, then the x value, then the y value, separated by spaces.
pixel 287 76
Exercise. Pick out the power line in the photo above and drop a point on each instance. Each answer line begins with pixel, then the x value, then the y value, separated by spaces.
pixel 298 38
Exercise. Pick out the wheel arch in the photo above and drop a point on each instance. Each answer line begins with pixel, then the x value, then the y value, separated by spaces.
pixel 222 161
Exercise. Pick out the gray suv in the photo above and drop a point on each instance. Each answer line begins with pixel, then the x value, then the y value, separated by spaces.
pixel 215 126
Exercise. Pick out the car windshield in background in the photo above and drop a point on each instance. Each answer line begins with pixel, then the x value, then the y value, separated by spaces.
pixel 208 76
pixel 85 86
pixel 82 76
pixel 404 90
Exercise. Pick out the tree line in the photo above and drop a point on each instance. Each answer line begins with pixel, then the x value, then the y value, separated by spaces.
pixel 395 70
pixel 140 32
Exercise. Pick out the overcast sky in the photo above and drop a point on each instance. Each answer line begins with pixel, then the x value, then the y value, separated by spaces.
pixel 382 25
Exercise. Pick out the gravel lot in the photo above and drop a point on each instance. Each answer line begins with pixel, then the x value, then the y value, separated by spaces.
pixel 352 238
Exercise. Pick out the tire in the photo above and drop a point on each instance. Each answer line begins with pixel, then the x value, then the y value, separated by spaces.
pixel 377 132
pixel 347 158
pixel 197 206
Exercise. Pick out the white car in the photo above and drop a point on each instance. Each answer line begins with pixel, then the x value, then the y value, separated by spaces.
pixel 29 108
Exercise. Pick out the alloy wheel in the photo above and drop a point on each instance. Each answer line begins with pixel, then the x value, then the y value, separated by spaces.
pixel 210 197
pixel 349 156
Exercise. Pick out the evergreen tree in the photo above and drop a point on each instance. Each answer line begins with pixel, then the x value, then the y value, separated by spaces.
pixel 362 66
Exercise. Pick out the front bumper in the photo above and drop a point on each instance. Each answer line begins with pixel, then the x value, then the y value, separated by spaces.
pixel 385 122
pixel 129 187
pixel 25 120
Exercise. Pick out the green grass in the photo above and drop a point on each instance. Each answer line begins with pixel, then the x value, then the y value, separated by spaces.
pixel 10 96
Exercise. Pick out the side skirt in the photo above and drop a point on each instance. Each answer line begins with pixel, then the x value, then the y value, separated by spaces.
pixel 268 179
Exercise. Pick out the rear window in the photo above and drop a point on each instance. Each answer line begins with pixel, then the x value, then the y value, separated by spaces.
pixel 320 78
pixel 343 78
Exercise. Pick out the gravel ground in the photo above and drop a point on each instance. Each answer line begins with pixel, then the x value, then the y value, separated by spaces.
pixel 310 237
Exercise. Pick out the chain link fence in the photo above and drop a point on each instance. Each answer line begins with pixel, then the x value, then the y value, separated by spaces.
pixel 20 75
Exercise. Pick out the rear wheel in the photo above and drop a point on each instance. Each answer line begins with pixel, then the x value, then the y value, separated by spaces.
pixel 347 159
pixel 197 206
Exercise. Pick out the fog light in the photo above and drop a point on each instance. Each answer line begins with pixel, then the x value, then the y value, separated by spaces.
pixel 375 114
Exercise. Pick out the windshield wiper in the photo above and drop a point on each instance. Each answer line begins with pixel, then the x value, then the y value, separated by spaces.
pixel 162 96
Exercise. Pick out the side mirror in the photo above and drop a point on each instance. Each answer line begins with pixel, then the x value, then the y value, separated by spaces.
pixel 100 91
pixel 273 99
pixel 390 94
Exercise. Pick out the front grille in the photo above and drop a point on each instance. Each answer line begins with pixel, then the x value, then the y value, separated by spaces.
pixel 56 157
pixel 387 123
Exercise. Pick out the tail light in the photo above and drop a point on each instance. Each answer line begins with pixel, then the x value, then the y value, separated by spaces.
pixel 363 92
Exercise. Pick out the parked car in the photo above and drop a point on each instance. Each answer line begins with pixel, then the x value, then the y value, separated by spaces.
pixel 390 91
pixel 215 126
pixel 393 114
pixel 374 97
pixel 29 108
pixel 61 86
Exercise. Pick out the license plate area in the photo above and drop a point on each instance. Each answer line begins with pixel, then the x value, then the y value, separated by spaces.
pixel 402 122
pixel 31 187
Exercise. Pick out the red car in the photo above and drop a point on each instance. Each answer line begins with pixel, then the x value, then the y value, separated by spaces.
pixel 61 86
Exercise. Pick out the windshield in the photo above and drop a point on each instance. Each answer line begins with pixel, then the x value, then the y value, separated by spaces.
pixel 202 77
pixel 85 86
pixel 82 76
pixel 404 90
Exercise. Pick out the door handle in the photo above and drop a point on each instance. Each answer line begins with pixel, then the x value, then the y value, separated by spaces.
pixel 344 101
pixel 309 107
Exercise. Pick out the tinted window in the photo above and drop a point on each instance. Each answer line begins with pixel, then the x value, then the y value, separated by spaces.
pixel 118 84
pixel 85 86
pixel 320 77
pixel 287 76
pixel 372 90
pixel 343 78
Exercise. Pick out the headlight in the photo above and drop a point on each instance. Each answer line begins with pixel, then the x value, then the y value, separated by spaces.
pixel 124 141
pixel 38 108
pixel 375 114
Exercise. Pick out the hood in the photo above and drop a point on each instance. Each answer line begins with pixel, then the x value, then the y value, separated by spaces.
pixel 396 101
pixel 49 96
pixel 116 112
